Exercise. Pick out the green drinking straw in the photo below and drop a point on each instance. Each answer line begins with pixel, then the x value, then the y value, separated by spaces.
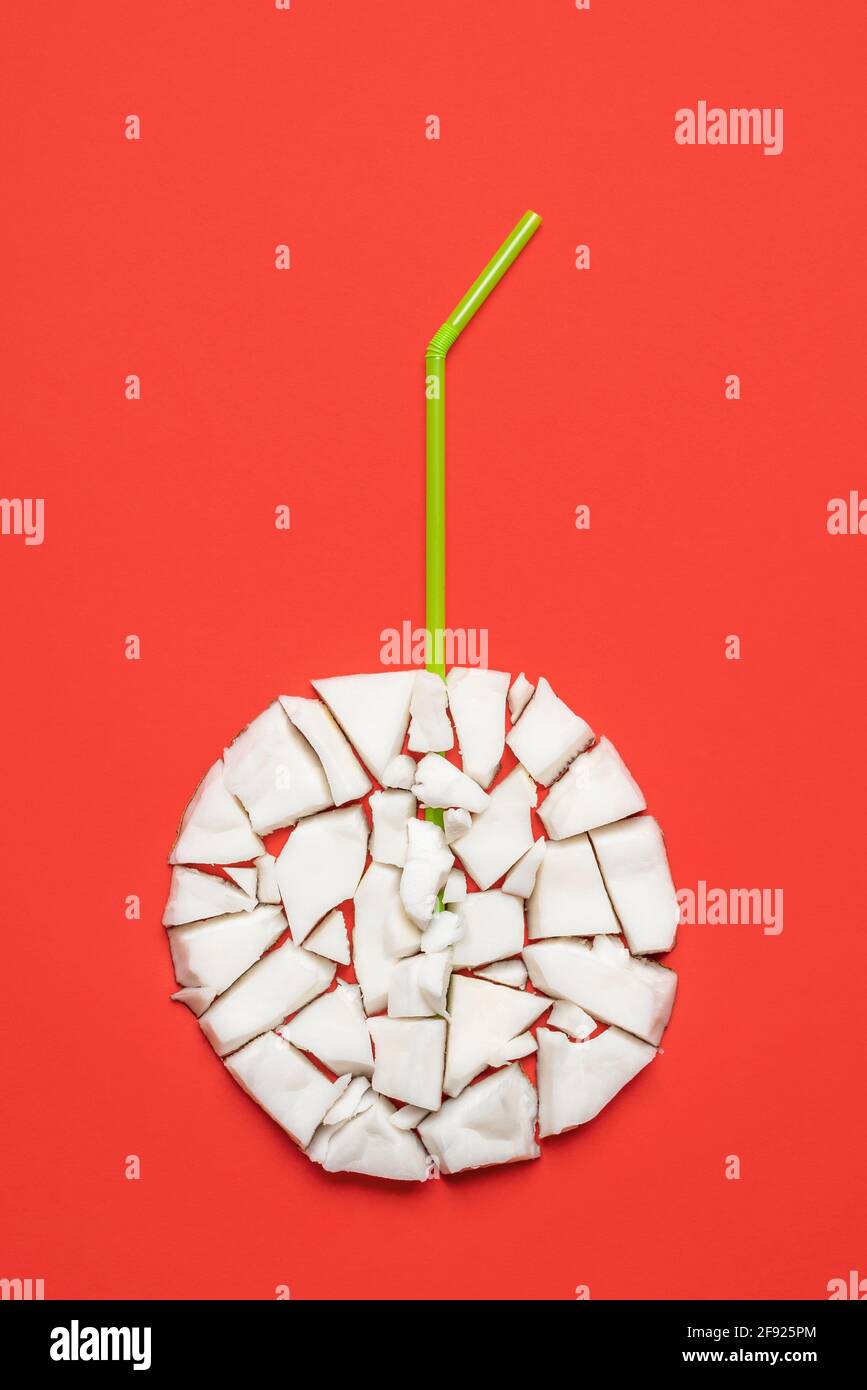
pixel 435 417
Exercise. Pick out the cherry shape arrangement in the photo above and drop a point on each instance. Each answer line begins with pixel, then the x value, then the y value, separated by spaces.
pixel 453 954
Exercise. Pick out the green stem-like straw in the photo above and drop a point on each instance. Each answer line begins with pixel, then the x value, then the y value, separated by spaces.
pixel 435 391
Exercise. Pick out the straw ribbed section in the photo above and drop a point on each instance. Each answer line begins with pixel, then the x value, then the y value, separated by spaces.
pixel 442 340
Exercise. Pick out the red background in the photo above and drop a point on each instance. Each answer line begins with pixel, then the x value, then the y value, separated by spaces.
pixel 605 388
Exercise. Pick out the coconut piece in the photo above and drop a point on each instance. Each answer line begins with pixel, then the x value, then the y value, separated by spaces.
pixel 521 880
pixel 419 985
pixel 484 1017
pixel 358 1097
pixel 196 999
pixel 502 834
pixel 400 772
pixel 318 1146
pixel 456 887
pixel 391 810
pixel 569 898
pixel 607 981
pixel 370 1144
pixel 548 735
pixel 493 928
pixel 215 828
pixel 212 954
pixel 267 887
pixel 439 783
pixel 427 866
pixel 373 712
pixel 430 729
pixel 274 772
pixel 246 879
pixel 477 699
pixel 596 789
pixel 279 984
pixel 288 1087
pixel 520 693
pixel 401 937
pixel 572 1020
pixel 409 1057
pixel 455 824
pixel 634 866
pixel 522 1046
pixel 492 1122
pixel 408 1116
pixel 445 929
pixel 193 896
pixel 505 972
pixel 382 935
pixel 334 1029
pixel 330 938
pixel 347 779
pixel 320 866
pixel 576 1080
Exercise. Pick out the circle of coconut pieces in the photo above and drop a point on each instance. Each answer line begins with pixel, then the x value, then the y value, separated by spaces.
pixel 368 985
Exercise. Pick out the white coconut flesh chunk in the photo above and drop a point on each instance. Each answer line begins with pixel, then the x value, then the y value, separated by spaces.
pixel 409 1057
pixel 505 972
pixel 548 735
pixel 520 694
pixel 382 934
pixel 373 711
pixel 493 928
pixel 318 1146
pixel 419 985
pixel 274 772
pixel 499 836
pixel 246 879
pixel 330 938
pixel 370 1144
pixel 408 1116
pixel 400 772
pixel 572 1020
pixel 569 898
pixel 391 810
pixel 279 984
pixel 347 779
pixel 634 866
pixel 521 880
pixel 334 1029
pixel 577 1079
pixel 358 1096
pixel 267 887
pixel 320 866
pixel 194 895
pixel 196 999
pixel 524 1045
pixel 605 980
pixel 286 1084
pixel 215 828
pixel 214 953
pixel 484 1017
pixel 596 789
pixel 491 1122
pixel 455 823
pixel 430 729
pixel 456 887
pixel 428 863
pixel 477 699
pixel 440 784
pixel 444 930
